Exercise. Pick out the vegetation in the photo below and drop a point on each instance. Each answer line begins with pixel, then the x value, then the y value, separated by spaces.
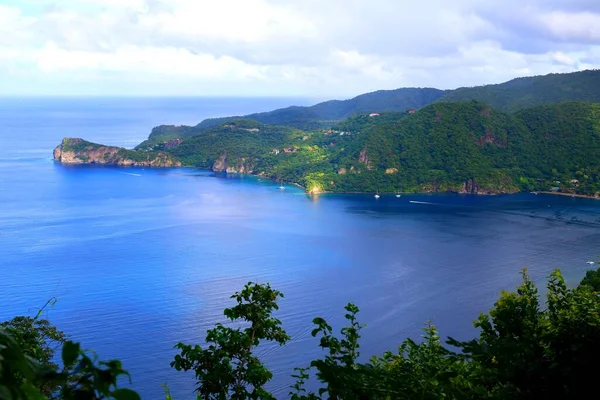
pixel 466 146
pixel 524 350
pixel 324 115
pixel 227 368
pixel 592 279
pixel 511 96
pixel 521 93
pixel 78 145
pixel 239 139
pixel 457 147
pixel 88 152
pixel 28 371
pixel 38 339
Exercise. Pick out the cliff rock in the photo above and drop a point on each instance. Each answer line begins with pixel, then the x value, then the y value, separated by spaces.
pixel 243 166
pixel 470 187
pixel 220 164
pixel 79 151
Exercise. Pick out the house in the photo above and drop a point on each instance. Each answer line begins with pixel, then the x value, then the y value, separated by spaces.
pixel 412 111
pixel 373 115
pixel 276 151
pixel 573 181
pixel 554 189
pixel 289 150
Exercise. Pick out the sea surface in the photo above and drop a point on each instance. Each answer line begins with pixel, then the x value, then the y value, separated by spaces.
pixel 142 258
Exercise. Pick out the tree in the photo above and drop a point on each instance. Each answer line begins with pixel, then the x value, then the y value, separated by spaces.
pixel 226 367
pixel 18 371
pixel 28 370
pixel 24 378
pixel 592 279
pixel 527 351
pixel 38 339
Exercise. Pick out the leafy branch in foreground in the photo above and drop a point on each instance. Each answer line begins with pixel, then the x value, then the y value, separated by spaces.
pixel 226 367
pixel 525 349
pixel 28 369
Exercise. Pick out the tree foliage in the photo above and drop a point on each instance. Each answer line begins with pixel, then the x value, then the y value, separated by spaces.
pixel 592 279
pixel 520 93
pixel 444 147
pixel 28 369
pixel 226 367
pixel 524 349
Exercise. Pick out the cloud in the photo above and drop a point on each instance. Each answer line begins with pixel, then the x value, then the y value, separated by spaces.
pixel 582 27
pixel 287 47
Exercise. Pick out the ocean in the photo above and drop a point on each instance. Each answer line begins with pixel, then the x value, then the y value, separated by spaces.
pixel 140 259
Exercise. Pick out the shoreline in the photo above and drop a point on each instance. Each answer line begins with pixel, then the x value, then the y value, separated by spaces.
pixel 581 196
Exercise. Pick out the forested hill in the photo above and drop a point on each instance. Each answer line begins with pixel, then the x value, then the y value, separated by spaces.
pixel 510 96
pixel 327 113
pixel 463 147
pixel 521 93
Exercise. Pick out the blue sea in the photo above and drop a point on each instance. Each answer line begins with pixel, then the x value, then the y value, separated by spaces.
pixel 142 258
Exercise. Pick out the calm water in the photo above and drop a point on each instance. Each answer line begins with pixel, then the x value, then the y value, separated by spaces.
pixel 140 259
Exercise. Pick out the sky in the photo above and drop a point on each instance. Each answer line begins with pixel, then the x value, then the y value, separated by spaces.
pixel 310 48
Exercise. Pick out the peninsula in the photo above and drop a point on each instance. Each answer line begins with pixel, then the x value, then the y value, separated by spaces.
pixel 79 151
pixel 542 134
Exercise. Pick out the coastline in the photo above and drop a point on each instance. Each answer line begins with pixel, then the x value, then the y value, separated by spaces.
pixel 581 196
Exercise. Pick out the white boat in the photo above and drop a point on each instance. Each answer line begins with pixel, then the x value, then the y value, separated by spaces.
pixel 281 187
pixel 590 263
pixel 377 196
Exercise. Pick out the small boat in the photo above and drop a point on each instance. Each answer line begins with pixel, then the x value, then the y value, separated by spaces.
pixel 590 263
pixel 377 195
pixel 281 187
pixel 398 194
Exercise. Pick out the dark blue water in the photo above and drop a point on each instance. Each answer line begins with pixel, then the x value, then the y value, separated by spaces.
pixel 140 259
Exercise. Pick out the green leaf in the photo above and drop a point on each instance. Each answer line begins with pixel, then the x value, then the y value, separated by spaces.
pixel 125 394
pixel 70 352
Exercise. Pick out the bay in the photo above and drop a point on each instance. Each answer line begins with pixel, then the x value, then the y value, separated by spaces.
pixel 142 258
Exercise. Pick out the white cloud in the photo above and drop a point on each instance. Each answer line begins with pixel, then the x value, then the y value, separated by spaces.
pixel 287 47
pixel 573 26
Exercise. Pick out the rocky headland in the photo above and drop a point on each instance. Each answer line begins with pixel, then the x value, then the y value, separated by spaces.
pixel 79 151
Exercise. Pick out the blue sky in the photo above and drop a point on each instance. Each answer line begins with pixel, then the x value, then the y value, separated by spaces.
pixel 314 48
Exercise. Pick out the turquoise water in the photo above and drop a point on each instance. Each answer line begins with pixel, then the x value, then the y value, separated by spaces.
pixel 140 259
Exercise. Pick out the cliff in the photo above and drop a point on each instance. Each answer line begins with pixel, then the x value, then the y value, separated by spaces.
pixel 79 151
pixel 241 167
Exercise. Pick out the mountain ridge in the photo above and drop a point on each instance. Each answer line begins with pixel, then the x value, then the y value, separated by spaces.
pixel 461 147
pixel 464 146
pixel 510 96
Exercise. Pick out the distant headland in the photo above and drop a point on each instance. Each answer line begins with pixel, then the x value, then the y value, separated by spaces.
pixel 530 134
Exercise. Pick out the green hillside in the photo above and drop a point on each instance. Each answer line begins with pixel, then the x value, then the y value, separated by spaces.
pixel 459 147
pixel 564 145
pixel 525 134
pixel 241 144
pixel 521 93
pixel 511 96
pixel 327 113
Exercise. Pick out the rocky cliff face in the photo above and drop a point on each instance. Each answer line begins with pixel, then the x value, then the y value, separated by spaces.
pixel 220 164
pixel 470 187
pixel 79 151
pixel 243 166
